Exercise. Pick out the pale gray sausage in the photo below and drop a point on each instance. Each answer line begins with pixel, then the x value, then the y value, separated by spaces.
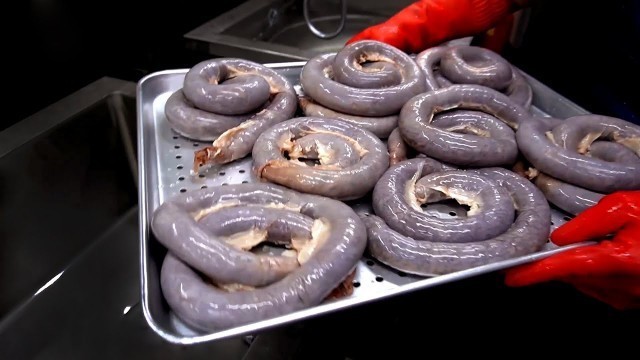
pixel 320 80
pixel 558 148
pixel 208 308
pixel 328 178
pixel 528 234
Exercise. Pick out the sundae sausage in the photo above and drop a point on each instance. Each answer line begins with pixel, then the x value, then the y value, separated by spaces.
pixel 237 142
pixel 447 65
pixel 229 101
pixel 613 152
pixel 573 199
pixel 398 149
pixel 199 263
pixel 560 148
pixel 569 198
pixel 444 253
pixel 365 92
pixel 176 226
pixel 476 65
pixel 379 126
pixel 220 94
pixel 191 122
pixel 247 226
pixel 482 138
pixel 321 156
pixel 229 86
pixel 366 83
pixel 402 190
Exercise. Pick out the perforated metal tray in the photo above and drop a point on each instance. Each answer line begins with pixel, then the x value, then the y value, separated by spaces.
pixel 165 161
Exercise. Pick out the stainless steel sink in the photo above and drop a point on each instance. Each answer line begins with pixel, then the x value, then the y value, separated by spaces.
pixel 275 30
pixel 66 174
pixel 69 239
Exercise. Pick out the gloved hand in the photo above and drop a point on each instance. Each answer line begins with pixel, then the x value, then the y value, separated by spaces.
pixel 427 23
pixel 609 270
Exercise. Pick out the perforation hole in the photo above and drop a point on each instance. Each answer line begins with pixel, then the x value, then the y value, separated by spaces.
pixel 177 147
pixel 370 262
pixel 179 167
pixel 201 175
pixel 222 173
pixel 241 171
pixel 183 190
pixel 379 278
pixel 203 187
pixel 245 182
pixel 178 156
pixel 175 137
pixel 181 178
pixel 566 218
pixel 356 284
pixel 224 184
pixel 196 144
pixel 452 213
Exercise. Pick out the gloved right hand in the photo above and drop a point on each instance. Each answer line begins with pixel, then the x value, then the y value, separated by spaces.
pixel 609 270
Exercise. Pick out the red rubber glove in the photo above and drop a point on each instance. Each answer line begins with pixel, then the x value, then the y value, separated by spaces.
pixel 609 270
pixel 426 23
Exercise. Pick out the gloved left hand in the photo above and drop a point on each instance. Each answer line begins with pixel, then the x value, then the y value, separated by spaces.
pixel 427 23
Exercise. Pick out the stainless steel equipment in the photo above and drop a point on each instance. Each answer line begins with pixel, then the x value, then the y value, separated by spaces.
pixel 278 30
pixel 319 33
pixel 164 169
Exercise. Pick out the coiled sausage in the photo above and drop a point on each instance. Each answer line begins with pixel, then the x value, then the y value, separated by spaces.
pixel 202 264
pixel 582 158
pixel 366 83
pixel 230 101
pixel 321 156
pixel 480 138
pixel 462 64
pixel 405 238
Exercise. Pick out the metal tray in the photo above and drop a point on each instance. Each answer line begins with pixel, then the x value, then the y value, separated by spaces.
pixel 165 161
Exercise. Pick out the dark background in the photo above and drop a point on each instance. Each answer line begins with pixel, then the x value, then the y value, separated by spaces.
pixel 587 51
pixel 58 46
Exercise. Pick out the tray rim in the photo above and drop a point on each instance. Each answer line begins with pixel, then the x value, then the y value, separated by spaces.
pixel 321 309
